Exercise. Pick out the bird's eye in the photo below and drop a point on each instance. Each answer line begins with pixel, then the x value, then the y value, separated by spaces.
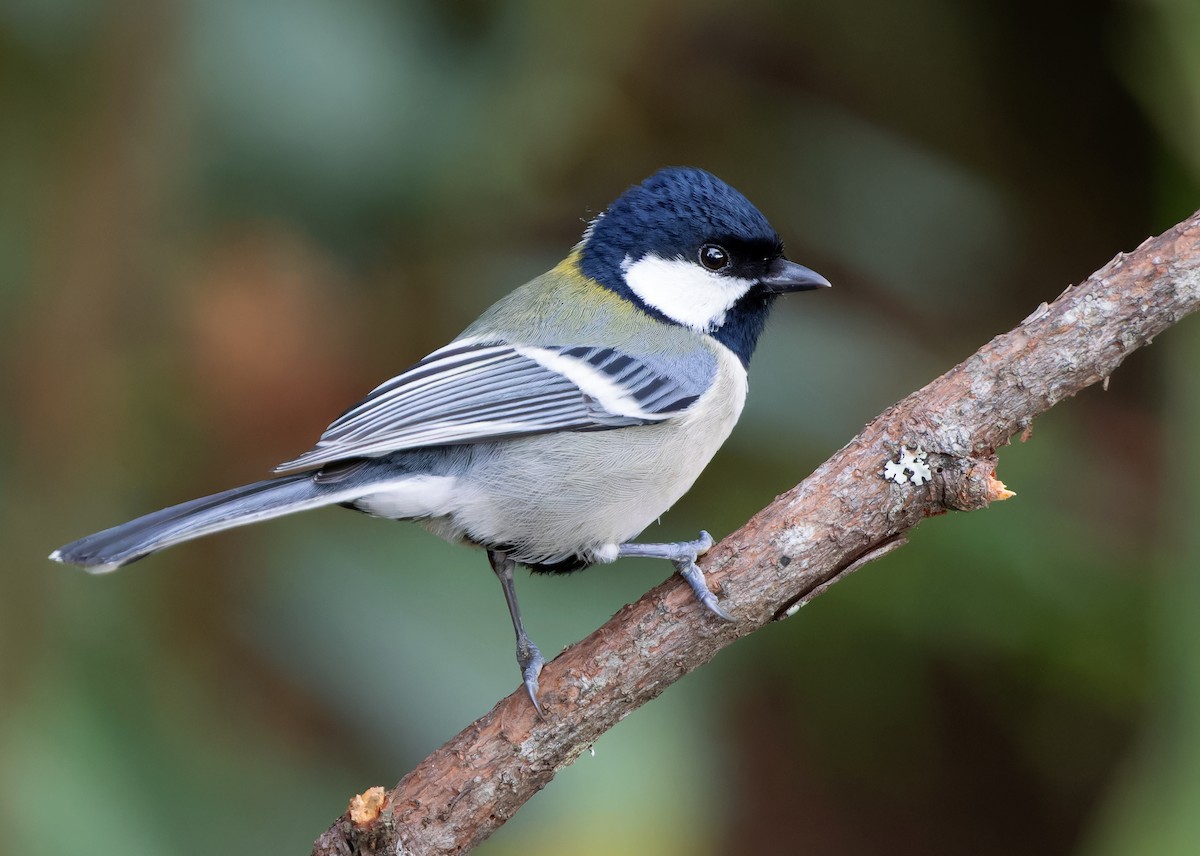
pixel 713 257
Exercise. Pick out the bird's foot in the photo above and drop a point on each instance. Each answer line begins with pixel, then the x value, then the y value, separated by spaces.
pixel 683 555
pixel 530 662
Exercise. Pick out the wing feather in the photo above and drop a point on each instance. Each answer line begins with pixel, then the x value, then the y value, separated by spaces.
pixel 473 391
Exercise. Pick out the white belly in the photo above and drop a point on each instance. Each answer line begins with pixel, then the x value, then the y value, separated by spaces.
pixel 555 496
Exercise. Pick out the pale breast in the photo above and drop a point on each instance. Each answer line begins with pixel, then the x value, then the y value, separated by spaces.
pixel 554 496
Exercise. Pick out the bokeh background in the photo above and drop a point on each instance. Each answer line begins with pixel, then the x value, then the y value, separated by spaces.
pixel 224 220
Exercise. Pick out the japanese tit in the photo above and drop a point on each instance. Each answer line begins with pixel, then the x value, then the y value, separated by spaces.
pixel 560 424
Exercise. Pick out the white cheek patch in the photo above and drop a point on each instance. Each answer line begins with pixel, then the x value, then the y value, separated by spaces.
pixel 684 291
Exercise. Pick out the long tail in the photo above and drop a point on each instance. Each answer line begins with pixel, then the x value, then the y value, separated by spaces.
pixel 108 550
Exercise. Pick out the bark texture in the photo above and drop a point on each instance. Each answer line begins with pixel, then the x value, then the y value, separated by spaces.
pixel 839 518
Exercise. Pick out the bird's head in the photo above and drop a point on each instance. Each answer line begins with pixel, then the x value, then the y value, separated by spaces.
pixel 691 250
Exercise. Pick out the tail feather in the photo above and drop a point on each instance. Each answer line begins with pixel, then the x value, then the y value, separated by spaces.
pixel 108 550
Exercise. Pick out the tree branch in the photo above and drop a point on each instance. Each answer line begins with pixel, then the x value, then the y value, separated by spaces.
pixel 842 516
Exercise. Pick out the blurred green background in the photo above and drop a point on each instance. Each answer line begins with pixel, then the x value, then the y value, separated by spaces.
pixel 221 221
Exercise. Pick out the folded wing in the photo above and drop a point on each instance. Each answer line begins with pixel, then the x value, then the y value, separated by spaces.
pixel 471 391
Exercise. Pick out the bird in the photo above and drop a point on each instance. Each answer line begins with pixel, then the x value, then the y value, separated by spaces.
pixel 562 422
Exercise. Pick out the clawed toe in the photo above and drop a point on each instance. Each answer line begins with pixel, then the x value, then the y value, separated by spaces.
pixel 695 578
pixel 531 667
pixel 710 602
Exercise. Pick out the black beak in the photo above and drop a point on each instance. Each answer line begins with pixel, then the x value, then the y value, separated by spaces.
pixel 784 276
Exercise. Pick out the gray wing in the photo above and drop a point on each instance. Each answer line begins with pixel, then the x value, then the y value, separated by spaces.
pixel 472 390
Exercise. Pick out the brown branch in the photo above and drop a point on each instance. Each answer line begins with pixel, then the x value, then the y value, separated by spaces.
pixel 842 516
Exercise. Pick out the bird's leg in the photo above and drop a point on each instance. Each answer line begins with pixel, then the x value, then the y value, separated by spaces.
pixel 529 658
pixel 683 556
